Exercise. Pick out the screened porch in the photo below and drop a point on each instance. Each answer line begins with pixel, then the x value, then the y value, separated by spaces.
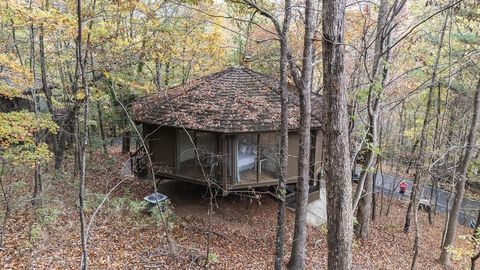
pixel 235 159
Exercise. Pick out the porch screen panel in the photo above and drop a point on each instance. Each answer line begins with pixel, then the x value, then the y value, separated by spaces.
pixel 186 160
pixel 246 158
pixel 268 165
pixel 207 147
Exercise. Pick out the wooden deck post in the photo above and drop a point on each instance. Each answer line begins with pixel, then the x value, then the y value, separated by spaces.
pixel 224 163
pixel 258 156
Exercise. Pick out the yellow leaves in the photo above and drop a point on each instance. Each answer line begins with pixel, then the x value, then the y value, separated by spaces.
pixel 17 137
pixel 409 134
pixel 28 154
pixel 10 92
pixel 99 31
pixel 97 94
pixel 13 70
pixel 52 19
pixel 132 86
pixel 57 104
pixel 14 79
pixel 458 253
pixel 20 127
pixel 80 95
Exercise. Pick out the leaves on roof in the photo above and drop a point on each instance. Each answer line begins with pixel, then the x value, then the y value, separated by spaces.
pixel 233 100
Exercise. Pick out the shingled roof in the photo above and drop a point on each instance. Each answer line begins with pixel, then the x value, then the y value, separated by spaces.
pixel 235 100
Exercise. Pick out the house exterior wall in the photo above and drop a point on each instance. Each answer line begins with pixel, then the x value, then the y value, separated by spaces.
pixel 292 166
pixel 14 104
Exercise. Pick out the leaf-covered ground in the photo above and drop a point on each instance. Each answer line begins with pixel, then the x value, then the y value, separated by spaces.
pixel 124 237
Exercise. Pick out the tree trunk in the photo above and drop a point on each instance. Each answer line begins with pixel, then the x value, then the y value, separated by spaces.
pixel 281 190
pixel 167 73
pixel 337 165
pixel 460 183
pixel 101 127
pixel 297 257
pixel 158 74
pixel 37 185
pixel 83 143
pixel 15 43
pixel 375 176
pixel 7 207
pixel 99 110
pixel 365 209
pixel 379 74
pixel 125 136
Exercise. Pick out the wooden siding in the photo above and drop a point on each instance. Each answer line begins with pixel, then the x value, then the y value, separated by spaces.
pixel 292 168
pixel 161 143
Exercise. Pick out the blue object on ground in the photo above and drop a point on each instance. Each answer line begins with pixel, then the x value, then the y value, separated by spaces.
pixel 154 199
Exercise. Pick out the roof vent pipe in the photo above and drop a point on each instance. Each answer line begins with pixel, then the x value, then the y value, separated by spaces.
pixel 247 61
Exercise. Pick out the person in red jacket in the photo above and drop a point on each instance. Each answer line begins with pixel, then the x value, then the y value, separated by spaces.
pixel 403 187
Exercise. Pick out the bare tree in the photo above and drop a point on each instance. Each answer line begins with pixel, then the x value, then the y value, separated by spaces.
pixel 297 256
pixel 281 189
pixel 417 180
pixel 6 194
pixel 37 189
pixel 83 143
pixel 460 183
pixel 379 74
pixel 337 165
pixel 365 185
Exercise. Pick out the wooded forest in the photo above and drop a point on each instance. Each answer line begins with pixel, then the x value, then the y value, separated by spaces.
pixel 293 134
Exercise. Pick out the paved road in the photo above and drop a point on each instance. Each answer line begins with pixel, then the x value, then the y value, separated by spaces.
pixel 469 210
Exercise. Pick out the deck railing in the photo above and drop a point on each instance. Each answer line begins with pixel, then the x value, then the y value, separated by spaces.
pixel 139 161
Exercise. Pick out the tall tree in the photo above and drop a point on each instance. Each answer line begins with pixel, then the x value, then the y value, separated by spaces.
pixel 281 189
pixel 337 165
pixel 418 183
pixel 38 186
pixel 297 256
pixel 460 182
pixel 363 194
pixel 83 142
pixel 378 77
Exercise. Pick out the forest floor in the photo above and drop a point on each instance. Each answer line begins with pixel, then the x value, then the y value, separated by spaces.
pixel 122 236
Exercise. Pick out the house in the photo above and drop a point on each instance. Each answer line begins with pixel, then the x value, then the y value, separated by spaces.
pixel 17 97
pixel 224 127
